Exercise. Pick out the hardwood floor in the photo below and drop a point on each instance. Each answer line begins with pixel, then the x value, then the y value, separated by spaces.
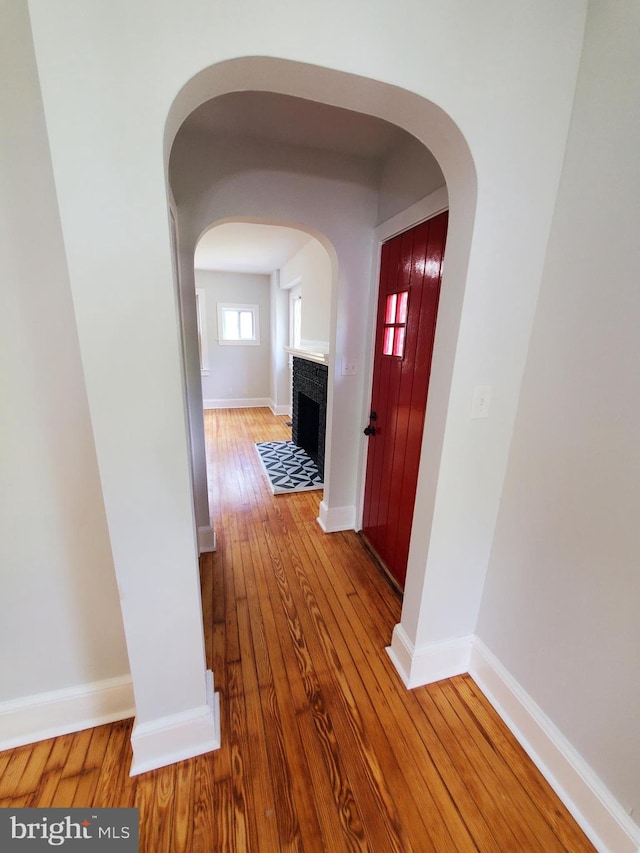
pixel 323 748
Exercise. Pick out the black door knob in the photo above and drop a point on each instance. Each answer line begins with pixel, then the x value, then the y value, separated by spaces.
pixel 370 430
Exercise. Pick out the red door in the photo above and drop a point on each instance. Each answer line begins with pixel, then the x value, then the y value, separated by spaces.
pixel 410 274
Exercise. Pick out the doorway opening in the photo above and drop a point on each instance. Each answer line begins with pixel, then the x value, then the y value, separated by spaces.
pixel 317 159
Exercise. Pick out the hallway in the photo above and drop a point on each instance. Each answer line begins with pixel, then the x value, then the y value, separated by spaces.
pixel 322 746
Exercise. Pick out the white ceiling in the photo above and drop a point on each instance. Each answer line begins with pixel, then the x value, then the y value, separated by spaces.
pixel 296 121
pixel 281 119
pixel 248 247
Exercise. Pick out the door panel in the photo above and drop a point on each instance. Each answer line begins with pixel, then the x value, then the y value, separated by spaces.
pixel 411 264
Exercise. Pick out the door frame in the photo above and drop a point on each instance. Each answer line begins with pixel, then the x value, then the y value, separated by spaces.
pixel 428 207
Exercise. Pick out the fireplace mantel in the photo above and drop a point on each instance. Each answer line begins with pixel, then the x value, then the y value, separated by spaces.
pixel 318 357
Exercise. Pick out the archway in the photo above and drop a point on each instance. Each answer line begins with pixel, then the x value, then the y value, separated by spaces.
pixel 435 130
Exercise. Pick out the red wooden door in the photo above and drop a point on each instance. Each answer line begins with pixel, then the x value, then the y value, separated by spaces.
pixel 410 274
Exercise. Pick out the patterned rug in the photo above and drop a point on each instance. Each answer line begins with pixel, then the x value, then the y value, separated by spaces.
pixel 288 467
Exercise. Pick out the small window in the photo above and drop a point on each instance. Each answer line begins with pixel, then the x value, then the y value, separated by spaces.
pixel 295 317
pixel 395 324
pixel 238 325
pixel 201 317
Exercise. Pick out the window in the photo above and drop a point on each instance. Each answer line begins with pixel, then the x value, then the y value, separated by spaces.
pixel 238 324
pixel 201 318
pixel 395 324
pixel 295 317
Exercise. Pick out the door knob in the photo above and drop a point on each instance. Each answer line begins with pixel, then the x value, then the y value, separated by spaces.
pixel 370 430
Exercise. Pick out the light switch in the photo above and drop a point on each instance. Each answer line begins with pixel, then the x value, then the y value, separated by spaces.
pixel 349 366
pixel 481 401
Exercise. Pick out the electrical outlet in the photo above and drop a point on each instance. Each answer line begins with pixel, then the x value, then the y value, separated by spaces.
pixel 349 366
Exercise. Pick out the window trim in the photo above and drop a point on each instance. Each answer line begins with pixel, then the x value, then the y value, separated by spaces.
pixel 237 306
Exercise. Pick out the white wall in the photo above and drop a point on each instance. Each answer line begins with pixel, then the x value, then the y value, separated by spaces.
pixel 236 372
pixel 126 314
pixel 60 622
pixel 312 265
pixel 409 174
pixel 560 607
pixel 491 98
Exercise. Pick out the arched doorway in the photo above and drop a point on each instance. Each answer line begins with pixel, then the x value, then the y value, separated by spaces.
pixel 428 124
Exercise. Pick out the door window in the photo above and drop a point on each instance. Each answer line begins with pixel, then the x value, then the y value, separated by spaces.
pixel 395 324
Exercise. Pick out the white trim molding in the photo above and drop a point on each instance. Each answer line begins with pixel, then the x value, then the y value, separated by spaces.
pixel 320 347
pixel 207 541
pixel 59 712
pixel 425 664
pixel 177 737
pixel 601 816
pixel 426 208
pixel 336 518
pixel 238 309
pixel 280 410
pixel 238 403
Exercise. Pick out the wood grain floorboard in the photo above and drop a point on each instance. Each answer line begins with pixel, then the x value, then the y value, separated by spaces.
pixel 323 749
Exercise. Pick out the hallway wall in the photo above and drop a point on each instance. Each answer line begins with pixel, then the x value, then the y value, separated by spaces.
pixel 60 621
pixel 560 608
pixel 491 98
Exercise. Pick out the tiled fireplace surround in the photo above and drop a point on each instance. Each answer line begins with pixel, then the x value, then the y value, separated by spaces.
pixel 309 408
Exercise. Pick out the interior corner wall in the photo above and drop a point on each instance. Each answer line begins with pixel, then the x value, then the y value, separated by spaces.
pixel 313 265
pixel 560 607
pixel 410 174
pixel 60 621
pixel 186 299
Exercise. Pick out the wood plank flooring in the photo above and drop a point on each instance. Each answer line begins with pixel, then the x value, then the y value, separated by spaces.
pixel 323 749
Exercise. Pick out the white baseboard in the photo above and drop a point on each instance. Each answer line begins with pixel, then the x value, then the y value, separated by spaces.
pixel 425 664
pixel 333 519
pixel 280 410
pixel 238 403
pixel 177 737
pixel 206 540
pixel 600 815
pixel 60 712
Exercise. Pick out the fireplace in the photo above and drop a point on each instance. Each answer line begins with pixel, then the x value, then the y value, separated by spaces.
pixel 309 408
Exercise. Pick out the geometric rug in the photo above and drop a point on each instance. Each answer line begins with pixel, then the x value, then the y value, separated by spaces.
pixel 288 467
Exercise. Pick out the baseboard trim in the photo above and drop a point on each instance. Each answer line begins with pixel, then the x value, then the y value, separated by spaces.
pixel 279 410
pixel 422 665
pixel 600 815
pixel 207 541
pixel 238 403
pixel 60 712
pixel 177 737
pixel 334 519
